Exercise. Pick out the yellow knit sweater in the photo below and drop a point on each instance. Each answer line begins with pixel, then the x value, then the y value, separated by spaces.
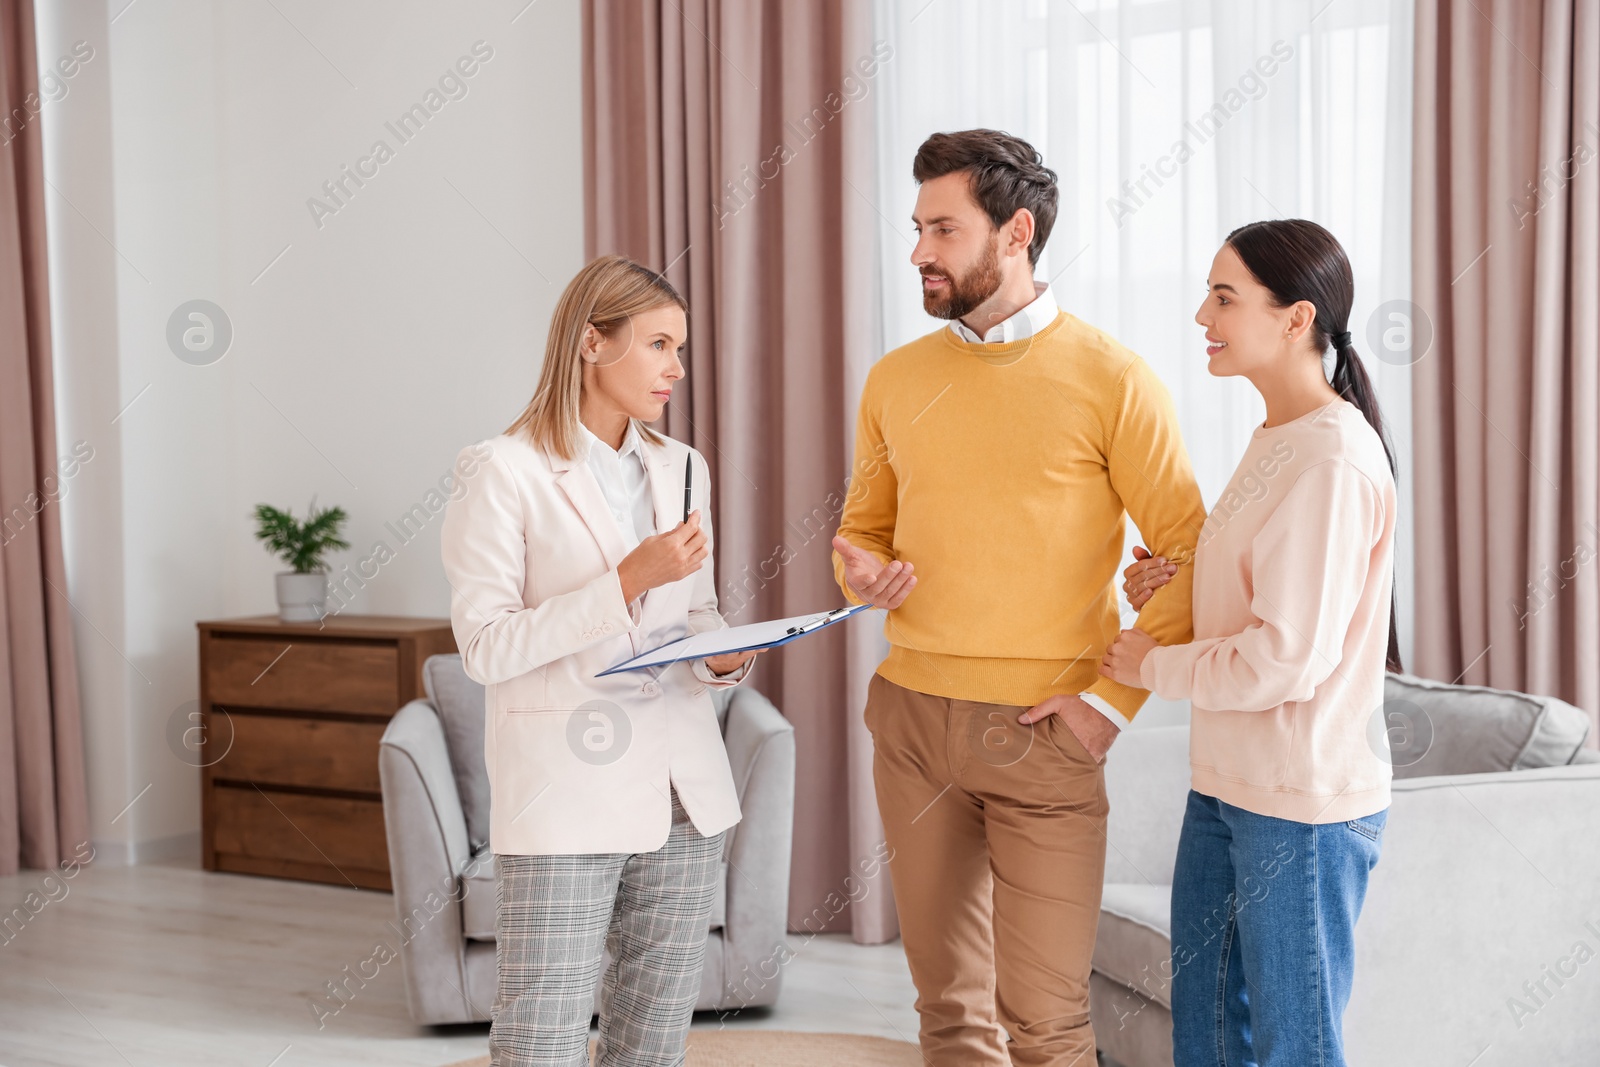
pixel 1003 473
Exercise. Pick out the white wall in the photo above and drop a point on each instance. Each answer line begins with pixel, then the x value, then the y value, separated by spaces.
pixel 368 345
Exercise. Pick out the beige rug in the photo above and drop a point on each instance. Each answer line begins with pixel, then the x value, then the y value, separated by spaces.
pixel 782 1048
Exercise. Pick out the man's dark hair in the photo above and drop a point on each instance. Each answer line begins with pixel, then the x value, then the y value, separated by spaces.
pixel 1007 173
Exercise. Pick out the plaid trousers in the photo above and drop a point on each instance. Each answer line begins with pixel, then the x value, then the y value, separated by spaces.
pixel 555 916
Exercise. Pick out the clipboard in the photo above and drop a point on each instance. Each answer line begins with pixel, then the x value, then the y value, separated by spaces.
pixel 756 635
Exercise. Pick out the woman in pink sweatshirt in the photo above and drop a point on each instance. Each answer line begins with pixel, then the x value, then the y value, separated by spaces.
pixel 1293 630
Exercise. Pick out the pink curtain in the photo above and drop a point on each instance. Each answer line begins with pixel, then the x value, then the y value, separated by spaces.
pixel 721 140
pixel 43 801
pixel 1507 403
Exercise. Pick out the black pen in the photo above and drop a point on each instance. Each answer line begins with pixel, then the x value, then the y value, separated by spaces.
pixel 688 478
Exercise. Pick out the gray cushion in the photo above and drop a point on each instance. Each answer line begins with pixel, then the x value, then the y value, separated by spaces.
pixel 1129 1030
pixel 1132 944
pixel 478 897
pixel 1436 728
pixel 719 700
pixel 460 703
pixel 719 902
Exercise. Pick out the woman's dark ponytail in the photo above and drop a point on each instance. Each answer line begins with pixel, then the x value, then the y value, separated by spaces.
pixel 1299 260
pixel 1351 382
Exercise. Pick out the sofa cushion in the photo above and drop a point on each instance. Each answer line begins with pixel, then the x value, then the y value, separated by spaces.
pixel 1128 1029
pixel 1436 728
pixel 478 898
pixel 1133 945
pixel 460 703
pixel 719 902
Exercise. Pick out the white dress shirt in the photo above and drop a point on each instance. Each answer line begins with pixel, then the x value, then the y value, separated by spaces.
pixel 1023 324
pixel 620 472
pixel 626 487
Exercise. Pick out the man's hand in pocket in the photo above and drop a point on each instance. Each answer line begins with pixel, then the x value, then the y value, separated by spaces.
pixel 1093 730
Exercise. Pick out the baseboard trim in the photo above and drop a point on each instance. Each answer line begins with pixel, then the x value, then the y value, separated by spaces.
pixel 175 848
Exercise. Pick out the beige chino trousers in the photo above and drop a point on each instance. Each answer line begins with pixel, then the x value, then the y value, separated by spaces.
pixel 997 832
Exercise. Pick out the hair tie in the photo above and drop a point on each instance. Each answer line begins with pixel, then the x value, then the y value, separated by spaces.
pixel 1341 340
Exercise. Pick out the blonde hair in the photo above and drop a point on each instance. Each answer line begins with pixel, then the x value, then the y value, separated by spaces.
pixel 606 293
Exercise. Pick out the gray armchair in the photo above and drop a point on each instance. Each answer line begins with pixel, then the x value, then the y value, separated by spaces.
pixel 1482 921
pixel 436 816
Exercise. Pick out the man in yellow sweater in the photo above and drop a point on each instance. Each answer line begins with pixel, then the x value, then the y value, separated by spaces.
pixel 996 459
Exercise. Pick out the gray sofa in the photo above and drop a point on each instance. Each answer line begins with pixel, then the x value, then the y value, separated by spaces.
pixel 1481 929
pixel 436 816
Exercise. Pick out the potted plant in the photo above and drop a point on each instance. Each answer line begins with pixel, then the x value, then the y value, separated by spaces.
pixel 303 591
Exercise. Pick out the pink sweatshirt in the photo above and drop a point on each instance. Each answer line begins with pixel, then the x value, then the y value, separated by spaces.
pixel 1292 585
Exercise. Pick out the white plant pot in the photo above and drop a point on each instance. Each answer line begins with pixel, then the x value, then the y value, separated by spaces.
pixel 301 597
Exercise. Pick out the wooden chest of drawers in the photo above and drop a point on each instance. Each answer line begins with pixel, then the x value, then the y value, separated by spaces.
pixel 291 714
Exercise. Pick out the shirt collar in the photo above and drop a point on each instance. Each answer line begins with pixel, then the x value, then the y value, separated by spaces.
pixel 630 442
pixel 1027 321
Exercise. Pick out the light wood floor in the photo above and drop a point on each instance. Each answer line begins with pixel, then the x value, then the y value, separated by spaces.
pixel 169 966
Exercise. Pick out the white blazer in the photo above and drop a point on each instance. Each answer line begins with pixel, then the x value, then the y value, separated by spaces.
pixel 579 764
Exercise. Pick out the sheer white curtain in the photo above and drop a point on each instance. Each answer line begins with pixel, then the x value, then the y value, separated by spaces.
pixel 1170 123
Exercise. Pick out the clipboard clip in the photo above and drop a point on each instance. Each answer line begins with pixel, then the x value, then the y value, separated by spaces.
pixel 819 622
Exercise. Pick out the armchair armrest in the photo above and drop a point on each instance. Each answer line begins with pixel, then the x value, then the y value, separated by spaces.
pixel 1147 781
pixel 761 752
pixel 428 850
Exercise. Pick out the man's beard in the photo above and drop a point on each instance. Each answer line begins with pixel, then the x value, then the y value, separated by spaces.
pixel 962 296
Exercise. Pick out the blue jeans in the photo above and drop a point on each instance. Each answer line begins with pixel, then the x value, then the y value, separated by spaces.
pixel 1263 935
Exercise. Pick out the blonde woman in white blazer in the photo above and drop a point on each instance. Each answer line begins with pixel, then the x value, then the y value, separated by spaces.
pixel 609 797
